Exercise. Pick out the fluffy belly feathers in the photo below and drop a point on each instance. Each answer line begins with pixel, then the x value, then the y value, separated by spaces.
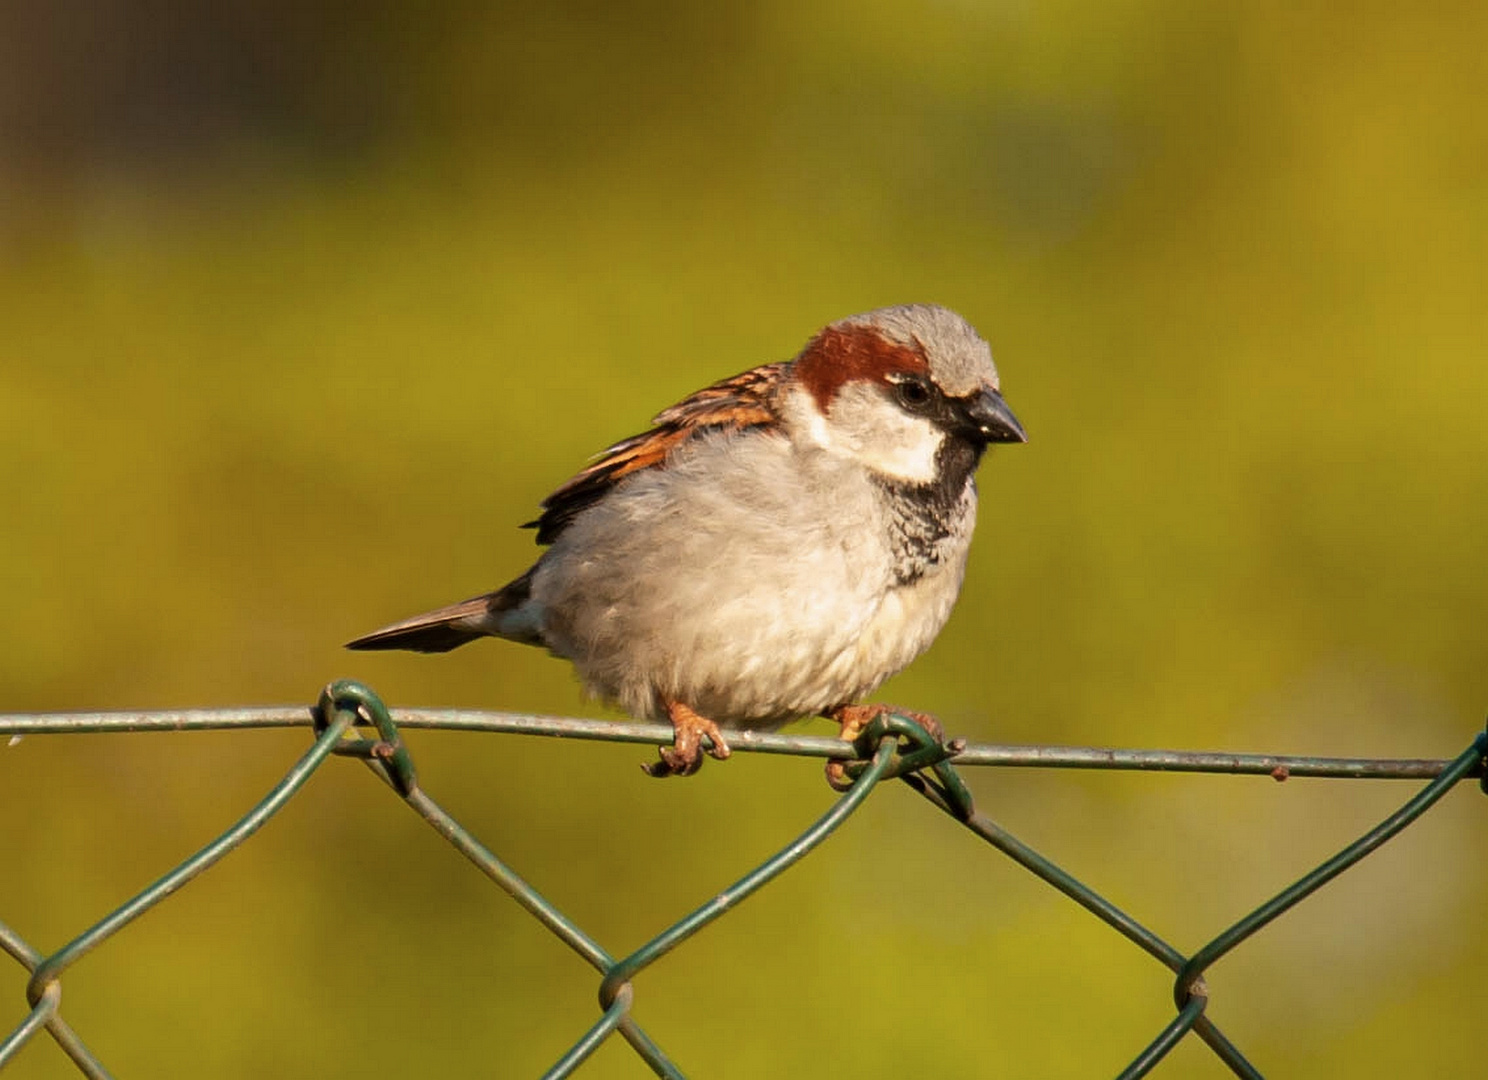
pixel 758 609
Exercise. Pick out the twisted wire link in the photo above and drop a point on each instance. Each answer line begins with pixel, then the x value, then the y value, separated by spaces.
pixel 891 747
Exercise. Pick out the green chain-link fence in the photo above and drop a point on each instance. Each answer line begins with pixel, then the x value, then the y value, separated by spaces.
pixel 891 747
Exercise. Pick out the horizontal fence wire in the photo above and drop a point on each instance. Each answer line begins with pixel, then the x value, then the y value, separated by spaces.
pixel 892 746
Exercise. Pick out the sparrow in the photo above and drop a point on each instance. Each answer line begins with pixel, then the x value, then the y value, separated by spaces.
pixel 774 546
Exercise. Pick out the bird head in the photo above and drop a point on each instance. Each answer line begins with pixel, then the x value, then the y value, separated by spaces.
pixel 904 390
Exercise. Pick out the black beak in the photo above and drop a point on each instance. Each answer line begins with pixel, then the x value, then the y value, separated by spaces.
pixel 989 416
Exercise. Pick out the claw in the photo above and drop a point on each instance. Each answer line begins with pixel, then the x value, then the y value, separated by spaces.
pixel 854 718
pixel 685 756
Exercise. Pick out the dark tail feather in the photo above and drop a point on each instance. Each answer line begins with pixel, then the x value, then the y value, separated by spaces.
pixel 434 631
pixel 449 627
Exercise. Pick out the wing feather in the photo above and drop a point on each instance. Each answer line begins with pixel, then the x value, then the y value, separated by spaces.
pixel 741 402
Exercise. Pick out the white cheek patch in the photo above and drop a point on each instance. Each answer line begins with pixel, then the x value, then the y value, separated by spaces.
pixel 908 453
pixel 863 424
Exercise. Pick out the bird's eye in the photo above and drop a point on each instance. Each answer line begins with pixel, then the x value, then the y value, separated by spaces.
pixel 912 394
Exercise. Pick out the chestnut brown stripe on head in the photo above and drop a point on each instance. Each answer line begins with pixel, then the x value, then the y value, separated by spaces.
pixel 846 352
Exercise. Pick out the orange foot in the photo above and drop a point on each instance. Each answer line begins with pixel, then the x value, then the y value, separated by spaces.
pixel 854 718
pixel 685 756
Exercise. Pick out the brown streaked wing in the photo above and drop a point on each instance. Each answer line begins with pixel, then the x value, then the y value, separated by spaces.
pixel 740 402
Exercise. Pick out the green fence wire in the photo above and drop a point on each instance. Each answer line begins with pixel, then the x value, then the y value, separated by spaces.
pixel 891 747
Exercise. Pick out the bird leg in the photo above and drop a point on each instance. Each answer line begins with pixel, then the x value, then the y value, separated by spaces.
pixel 855 718
pixel 685 756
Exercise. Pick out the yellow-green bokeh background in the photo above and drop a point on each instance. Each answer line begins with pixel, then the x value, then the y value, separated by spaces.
pixel 303 309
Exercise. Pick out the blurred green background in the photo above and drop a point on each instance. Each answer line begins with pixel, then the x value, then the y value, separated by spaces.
pixel 303 307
